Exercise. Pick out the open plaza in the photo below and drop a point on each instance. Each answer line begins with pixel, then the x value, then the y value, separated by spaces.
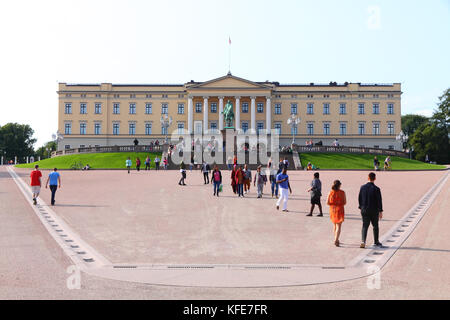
pixel 141 235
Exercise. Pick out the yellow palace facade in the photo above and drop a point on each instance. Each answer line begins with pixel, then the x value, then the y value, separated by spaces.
pixel 108 114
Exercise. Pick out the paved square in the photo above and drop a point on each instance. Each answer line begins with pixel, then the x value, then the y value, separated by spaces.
pixel 146 217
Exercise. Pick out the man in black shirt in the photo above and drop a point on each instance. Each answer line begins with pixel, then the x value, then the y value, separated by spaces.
pixel 371 209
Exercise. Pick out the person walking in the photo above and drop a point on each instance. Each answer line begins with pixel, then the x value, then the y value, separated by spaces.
pixel 283 181
pixel 260 180
pixel 273 182
pixel 157 161
pixel 316 193
pixel 147 163
pixel 128 164
pixel 35 183
pixel 166 163
pixel 240 181
pixel 216 178
pixel 230 163
pixel 205 171
pixel 371 207
pixel 54 178
pixel 233 179
pixel 183 174
pixel 336 200
pixel 247 179
pixel 138 164
pixel 376 164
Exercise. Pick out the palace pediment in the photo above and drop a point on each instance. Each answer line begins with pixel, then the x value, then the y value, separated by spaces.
pixel 228 82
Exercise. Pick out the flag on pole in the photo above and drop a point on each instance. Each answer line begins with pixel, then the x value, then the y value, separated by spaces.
pixel 229 40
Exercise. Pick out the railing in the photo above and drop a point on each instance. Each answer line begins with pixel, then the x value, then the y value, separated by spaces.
pixel 142 148
pixel 331 149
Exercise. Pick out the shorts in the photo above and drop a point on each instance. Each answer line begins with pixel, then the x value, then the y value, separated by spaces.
pixel 36 189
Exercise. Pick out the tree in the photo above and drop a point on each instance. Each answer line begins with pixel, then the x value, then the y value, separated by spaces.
pixel 432 140
pixel 16 140
pixel 411 122
pixel 42 151
pixel 432 137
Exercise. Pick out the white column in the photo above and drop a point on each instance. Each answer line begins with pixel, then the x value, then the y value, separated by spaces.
pixel 268 115
pixel 2 160
pixel 220 113
pixel 253 114
pixel 190 116
pixel 238 113
pixel 205 114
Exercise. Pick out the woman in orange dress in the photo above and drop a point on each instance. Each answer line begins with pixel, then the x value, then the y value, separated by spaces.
pixel 336 200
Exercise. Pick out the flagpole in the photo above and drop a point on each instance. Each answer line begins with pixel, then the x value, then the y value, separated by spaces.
pixel 229 55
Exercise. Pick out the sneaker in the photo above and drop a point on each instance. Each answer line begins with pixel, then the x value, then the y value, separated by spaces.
pixel 362 245
pixel 286 210
pixel 378 244
pixel 278 207
pixel 309 215
pixel 34 201
pixel 320 215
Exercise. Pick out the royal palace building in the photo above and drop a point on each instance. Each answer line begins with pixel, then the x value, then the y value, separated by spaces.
pixel 108 114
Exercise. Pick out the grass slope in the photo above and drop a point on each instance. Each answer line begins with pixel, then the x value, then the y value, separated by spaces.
pixel 361 161
pixel 114 160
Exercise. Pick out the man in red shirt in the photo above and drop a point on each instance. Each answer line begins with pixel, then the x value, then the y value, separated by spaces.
pixel 35 176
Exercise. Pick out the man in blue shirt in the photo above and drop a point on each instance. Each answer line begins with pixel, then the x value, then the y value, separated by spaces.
pixel 54 178
pixel 283 181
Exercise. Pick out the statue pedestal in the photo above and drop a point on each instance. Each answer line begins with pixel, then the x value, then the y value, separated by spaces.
pixel 229 140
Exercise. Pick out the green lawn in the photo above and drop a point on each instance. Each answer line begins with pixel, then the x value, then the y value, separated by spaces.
pixel 361 161
pixel 95 160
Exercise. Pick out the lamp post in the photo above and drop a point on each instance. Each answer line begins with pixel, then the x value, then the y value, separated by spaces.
pixel 403 138
pixel 293 121
pixel 166 121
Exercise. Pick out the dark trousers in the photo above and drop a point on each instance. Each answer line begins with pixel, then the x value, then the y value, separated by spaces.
pixel 157 165
pixel 53 190
pixel 183 176
pixel 147 166
pixel 240 189
pixel 206 177
pixel 370 217
pixel 138 167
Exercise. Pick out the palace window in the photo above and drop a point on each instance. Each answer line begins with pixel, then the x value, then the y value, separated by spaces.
pixel 361 128
pixel 376 128
pixel 294 129
pixel 326 108
pixel 132 108
pixel 132 96
pixel 343 129
pixel 260 127
pixel 68 108
pixel 132 128
pixel 213 126
pixel 326 129
pixel 181 108
pixel 148 108
pixel 98 108
pixel 294 108
pixel 277 108
pixel 97 128
pixel 180 127
pixel 116 95
pixel 390 108
pixel 164 130
pixel 148 95
pixel 244 126
pixel 164 108
pixel 277 127
pixel 360 108
pixel 245 107
pixel 260 107
pixel 198 107
pixel 310 128
pixel 342 108
pixel 165 96
pixel 376 108
pixel 116 108
pixel 68 128
pixel 310 108
pixel 148 128
pixel 213 107
pixel 390 128
pixel 116 129
pixel 83 108
pixel 83 128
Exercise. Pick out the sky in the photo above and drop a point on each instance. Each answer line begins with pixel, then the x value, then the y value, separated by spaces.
pixel 46 42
